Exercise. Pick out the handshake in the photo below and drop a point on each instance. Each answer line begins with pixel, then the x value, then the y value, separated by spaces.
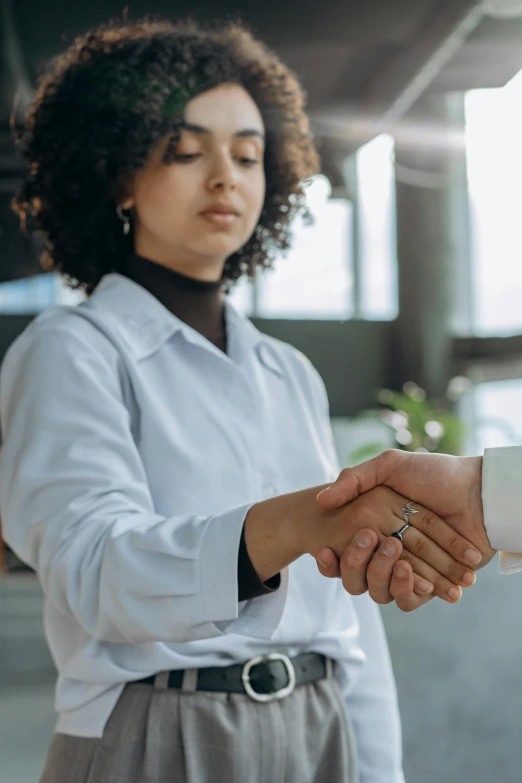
pixel 432 502
pixel 446 533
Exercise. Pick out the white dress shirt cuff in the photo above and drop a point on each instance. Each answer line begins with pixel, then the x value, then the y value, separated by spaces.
pixel 502 503
pixel 258 617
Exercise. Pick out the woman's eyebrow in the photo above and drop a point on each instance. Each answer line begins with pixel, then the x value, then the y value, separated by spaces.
pixel 246 132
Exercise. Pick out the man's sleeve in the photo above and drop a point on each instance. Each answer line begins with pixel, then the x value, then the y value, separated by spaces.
pixel 502 502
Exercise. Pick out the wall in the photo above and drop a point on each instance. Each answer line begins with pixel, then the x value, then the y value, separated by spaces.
pixel 353 357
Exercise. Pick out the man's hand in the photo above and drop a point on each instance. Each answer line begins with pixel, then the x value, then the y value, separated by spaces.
pixel 449 486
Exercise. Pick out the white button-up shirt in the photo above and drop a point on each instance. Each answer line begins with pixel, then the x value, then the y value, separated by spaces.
pixel 133 449
pixel 502 502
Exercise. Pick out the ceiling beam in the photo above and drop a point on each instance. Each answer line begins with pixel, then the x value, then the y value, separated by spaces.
pixel 397 87
pixel 502 349
pixel 403 78
pixel 488 359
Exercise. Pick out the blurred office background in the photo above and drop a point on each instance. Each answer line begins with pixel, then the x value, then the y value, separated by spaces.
pixel 411 274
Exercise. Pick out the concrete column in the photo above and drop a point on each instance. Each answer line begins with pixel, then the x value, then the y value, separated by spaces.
pixel 429 155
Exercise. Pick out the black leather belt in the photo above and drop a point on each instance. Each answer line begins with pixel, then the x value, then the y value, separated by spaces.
pixel 264 678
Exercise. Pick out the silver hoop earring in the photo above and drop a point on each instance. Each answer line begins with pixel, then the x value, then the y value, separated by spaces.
pixel 125 218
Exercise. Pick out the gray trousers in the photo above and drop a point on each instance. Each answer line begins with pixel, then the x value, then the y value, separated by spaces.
pixel 161 735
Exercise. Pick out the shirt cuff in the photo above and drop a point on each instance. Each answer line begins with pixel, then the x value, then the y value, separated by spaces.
pixel 502 504
pixel 219 589
pixel 248 583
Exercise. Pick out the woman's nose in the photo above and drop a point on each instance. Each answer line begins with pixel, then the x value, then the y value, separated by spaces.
pixel 223 175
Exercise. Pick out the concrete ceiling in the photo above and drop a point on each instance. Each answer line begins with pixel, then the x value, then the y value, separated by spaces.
pixel 371 58
pixel 337 47
pixel 361 54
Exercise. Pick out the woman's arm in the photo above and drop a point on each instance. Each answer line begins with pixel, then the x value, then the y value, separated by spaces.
pixel 281 529
pixel 76 505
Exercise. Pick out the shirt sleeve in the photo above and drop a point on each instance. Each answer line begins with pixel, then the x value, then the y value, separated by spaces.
pixel 76 505
pixel 372 704
pixel 502 504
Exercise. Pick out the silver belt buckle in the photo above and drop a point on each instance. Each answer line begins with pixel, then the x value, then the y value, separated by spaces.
pixel 282 693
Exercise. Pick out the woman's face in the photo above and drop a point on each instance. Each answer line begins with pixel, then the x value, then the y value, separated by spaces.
pixel 218 164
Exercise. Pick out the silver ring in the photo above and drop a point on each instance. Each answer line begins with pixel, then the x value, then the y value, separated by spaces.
pixel 399 533
pixel 409 511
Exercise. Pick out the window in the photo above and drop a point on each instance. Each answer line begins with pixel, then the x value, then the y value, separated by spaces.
pixel 33 294
pixel 494 159
pixel 29 295
pixel 493 412
pixel 494 167
pixel 66 295
pixel 314 280
pixel 377 229
pixel 317 277
pixel 242 297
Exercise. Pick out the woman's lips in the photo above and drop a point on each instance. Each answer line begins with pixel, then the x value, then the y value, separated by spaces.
pixel 220 218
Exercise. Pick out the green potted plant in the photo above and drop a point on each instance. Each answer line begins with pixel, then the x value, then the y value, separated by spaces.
pixel 418 423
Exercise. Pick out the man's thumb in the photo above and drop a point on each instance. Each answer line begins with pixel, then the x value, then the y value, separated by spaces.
pixel 342 491
pixel 351 483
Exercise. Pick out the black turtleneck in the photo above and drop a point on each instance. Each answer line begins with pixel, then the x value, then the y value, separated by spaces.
pixel 200 304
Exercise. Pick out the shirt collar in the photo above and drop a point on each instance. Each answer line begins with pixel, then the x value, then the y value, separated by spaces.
pixel 148 324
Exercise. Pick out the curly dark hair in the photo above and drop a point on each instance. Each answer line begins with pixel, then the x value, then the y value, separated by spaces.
pixel 102 105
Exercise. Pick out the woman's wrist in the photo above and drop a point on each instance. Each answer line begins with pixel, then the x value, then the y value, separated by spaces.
pixel 282 529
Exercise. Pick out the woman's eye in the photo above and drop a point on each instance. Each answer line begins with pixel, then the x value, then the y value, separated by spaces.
pixel 186 157
pixel 192 156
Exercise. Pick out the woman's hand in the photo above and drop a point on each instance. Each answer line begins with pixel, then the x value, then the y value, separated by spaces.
pixel 432 552
pixel 384 574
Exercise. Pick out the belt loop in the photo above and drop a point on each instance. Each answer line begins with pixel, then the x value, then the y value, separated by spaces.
pixel 161 681
pixel 190 680
pixel 329 668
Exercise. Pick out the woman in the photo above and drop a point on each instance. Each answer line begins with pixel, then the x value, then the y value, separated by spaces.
pixel 161 457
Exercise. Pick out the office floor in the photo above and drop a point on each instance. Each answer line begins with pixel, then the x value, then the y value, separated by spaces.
pixel 26 725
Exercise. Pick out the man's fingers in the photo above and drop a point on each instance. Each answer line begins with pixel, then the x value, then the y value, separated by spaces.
pixel 327 563
pixel 426 548
pixel 448 539
pixel 443 588
pixel 355 559
pixel 383 572
pixel 387 569
pixel 380 571
pixel 402 585
pixel 404 582
pixel 352 482
pixel 424 531
pixel 349 485
pixel 405 588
